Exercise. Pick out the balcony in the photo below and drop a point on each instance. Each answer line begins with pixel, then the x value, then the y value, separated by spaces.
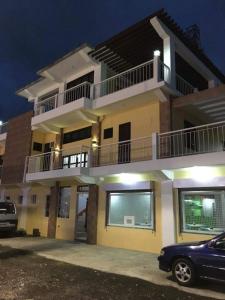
pixel 3 132
pixel 58 110
pixel 60 164
pixel 93 98
pixel 197 146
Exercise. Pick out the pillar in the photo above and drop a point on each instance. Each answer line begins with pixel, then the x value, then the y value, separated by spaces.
pixel 92 214
pixel 53 210
pixel 167 213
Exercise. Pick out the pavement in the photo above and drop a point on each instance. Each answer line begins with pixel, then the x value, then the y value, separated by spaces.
pixel 112 260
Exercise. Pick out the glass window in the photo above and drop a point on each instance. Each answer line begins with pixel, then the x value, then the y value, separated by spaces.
pixel 7 208
pixel 203 211
pixel 64 202
pixel 75 160
pixel 131 209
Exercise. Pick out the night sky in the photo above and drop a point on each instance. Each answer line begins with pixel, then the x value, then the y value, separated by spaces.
pixel 34 33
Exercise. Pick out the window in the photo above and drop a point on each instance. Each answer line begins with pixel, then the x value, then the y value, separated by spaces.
pixel 34 199
pixel 47 205
pixel 130 209
pixel 77 135
pixel 37 147
pixel 108 133
pixel 20 199
pixel 75 160
pixel 64 202
pixel 203 211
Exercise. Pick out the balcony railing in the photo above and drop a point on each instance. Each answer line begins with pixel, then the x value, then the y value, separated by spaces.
pixel 191 141
pixel 195 140
pixel 70 95
pixel 3 128
pixel 183 86
pixel 122 152
pixel 70 158
pixel 124 80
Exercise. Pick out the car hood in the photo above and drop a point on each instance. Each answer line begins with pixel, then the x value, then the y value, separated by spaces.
pixel 185 245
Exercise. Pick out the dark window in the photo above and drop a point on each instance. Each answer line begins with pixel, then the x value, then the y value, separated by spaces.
pixel 7 208
pixel 108 133
pixel 77 135
pixel 37 146
pixel 85 78
pixel 47 205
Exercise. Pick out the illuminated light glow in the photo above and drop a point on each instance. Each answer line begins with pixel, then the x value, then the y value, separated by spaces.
pixel 128 178
pixel 202 174
pixel 1 123
pixel 156 53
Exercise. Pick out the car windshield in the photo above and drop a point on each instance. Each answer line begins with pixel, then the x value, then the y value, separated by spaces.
pixel 7 208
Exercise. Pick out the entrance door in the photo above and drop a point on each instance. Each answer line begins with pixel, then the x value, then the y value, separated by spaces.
pixel 124 143
pixel 81 219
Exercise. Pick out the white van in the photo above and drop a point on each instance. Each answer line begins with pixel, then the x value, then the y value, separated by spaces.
pixel 8 217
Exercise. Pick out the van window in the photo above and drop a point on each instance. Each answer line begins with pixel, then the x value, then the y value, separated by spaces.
pixel 7 208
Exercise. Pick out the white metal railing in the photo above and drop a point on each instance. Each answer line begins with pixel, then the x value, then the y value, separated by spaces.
pixel 183 86
pixel 80 91
pixel 123 152
pixel 76 157
pixel 195 140
pixel 124 80
pixel 46 105
pixel 3 128
pixel 70 95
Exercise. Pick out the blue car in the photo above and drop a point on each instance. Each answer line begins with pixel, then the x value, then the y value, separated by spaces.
pixel 191 261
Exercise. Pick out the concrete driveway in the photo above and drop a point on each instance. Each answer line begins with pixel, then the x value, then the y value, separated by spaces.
pixel 119 261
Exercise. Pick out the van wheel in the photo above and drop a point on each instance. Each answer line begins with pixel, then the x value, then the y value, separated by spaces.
pixel 184 272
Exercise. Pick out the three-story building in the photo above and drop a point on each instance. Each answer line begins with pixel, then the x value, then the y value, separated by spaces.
pixel 125 147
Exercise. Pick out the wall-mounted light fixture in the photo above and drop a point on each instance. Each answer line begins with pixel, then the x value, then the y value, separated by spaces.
pixel 94 144
pixel 156 53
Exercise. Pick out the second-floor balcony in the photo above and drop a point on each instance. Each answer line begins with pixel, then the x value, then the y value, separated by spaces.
pixel 197 146
pixel 57 164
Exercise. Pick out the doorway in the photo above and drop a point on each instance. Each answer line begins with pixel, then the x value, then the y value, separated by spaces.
pixel 124 143
pixel 81 216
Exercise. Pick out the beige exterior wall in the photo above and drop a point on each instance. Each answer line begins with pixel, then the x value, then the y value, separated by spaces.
pixel 147 115
pixel 130 238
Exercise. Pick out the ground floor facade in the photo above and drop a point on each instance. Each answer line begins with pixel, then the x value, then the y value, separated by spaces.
pixel 130 211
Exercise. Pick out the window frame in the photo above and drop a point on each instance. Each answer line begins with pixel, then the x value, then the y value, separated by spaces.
pixel 82 163
pixel 152 209
pixel 108 133
pixel 181 210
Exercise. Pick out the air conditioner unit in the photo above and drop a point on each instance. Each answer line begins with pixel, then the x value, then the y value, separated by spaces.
pixel 129 220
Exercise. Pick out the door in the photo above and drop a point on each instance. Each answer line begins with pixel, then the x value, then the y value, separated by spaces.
pixel 212 261
pixel 81 216
pixel 124 143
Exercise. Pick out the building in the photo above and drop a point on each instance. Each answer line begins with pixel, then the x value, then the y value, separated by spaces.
pixel 125 147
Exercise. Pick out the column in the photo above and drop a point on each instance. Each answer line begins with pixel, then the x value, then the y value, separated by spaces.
pixel 24 208
pixel 167 214
pixel 53 210
pixel 92 214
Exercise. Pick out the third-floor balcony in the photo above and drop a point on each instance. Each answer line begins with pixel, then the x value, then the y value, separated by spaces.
pixel 197 146
pixel 138 83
